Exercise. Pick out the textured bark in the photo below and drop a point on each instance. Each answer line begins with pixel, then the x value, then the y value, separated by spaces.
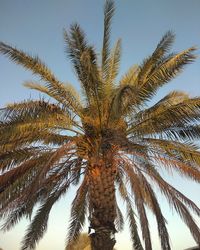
pixel 103 205
pixel 102 240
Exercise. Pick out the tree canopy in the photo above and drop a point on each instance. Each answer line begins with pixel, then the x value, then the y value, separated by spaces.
pixel 105 141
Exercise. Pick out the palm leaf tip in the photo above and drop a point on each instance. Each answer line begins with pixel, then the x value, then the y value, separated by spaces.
pixel 165 43
pixel 109 9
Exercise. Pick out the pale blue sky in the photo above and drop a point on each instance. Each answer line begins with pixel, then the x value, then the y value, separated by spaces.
pixel 37 27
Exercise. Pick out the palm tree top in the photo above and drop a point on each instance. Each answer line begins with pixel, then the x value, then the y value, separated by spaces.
pixel 103 140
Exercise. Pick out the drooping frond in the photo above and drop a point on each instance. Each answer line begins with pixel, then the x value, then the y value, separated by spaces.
pixel 140 204
pixel 172 194
pixel 187 153
pixel 130 213
pixel 38 226
pixel 176 200
pixel 133 227
pixel 119 221
pixel 78 213
pixel 152 202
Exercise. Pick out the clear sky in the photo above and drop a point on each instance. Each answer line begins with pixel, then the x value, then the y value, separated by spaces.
pixel 37 27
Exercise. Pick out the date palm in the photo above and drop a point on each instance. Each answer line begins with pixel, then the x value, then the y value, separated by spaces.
pixel 109 140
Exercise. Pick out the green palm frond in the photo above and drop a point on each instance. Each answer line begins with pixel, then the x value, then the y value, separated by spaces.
pixel 120 103
pixel 143 90
pixel 33 121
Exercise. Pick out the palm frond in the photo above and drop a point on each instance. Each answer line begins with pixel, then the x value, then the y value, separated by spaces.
pixel 173 196
pixel 133 227
pixel 113 67
pixel 29 62
pixel 84 61
pixel 140 205
pixel 157 120
pixel 149 64
pixel 78 213
pixel 119 221
pixel 55 158
pixel 65 94
pixel 185 152
pixel 120 103
pixel 130 212
pixel 151 200
pixel 38 226
pixel 163 73
pixel 130 77
pixel 108 14
pixel 180 208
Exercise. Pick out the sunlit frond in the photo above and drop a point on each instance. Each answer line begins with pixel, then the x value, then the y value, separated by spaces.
pixel 29 62
pixel 65 94
pixel 164 72
pixel 130 77
pixel 160 119
pixel 113 67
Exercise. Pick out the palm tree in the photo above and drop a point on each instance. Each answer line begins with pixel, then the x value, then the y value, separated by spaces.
pixel 109 140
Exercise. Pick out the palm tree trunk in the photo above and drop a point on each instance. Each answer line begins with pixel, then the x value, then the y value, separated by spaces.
pixel 103 206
